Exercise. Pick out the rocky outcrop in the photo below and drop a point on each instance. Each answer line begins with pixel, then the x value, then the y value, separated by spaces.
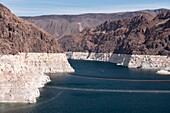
pixel 143 34
pixel 61 25
pixel 132 61
pixel 19 35
pixel 139 42
pixel 163 72
pixel 21 74
pixel 47 62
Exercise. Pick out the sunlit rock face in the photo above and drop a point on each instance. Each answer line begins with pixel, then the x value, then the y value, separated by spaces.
pixel 132 61
pixel 62 25
pixel 163 72
pixel 26 53
pixel 21 75
pixel 142 41
pixel 141 35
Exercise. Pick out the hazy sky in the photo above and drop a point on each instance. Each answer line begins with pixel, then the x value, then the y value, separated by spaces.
pixel 46 7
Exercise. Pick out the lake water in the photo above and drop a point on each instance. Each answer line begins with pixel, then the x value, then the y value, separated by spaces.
pixel 100 87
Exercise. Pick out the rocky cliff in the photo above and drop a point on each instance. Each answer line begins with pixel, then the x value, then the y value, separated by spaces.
pixel 19 35
pixel 132 61
pixel 21 74
pixel 139 42
pixel 61 25
pixel 144 34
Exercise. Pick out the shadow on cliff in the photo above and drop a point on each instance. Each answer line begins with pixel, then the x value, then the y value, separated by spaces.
pixel 120 59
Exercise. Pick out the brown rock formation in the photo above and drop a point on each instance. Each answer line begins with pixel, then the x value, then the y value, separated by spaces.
pixel 143 34
pixel 18 35
pixel 61 25
pixel 22 74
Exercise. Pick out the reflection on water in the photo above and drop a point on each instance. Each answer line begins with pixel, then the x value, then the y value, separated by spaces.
pixel 100 87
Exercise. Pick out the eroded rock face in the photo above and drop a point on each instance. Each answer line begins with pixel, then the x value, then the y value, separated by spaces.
pixel 143 34
pixel 61 25
pixel 21 74
pixel 18 35
pixel 47 62
pixel 132 61
pixel 19 82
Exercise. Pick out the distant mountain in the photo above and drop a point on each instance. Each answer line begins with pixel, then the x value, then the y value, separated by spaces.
pixel 61 25
pixel 142 34
pixel 19 35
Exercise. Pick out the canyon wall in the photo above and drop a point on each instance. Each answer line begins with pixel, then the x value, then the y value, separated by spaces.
pixel 132 61
pixel 47 62
pixel 142 35
pixel 26 53
pixel 22 74
pixel 61 25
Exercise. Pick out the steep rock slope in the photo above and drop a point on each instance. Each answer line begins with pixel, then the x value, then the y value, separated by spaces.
pixel 21 74
pixel 19 35
pixel 143 34
pixel 61 25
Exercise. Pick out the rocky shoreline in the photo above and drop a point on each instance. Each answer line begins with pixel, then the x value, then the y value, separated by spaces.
pixel 163 72
pixel 22 74
pixel 132 61
pixel 26 53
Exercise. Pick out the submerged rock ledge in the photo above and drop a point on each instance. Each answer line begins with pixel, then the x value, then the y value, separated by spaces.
pixel 132 61
pixel 21 75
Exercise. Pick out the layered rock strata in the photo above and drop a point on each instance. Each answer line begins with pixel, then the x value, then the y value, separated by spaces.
pixel 132 61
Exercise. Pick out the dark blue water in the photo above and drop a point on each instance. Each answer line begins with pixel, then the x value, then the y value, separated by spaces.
pixel 99 87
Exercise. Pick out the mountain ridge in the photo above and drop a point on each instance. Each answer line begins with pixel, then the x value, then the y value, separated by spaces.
pixel 142 34
pixel 61 25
